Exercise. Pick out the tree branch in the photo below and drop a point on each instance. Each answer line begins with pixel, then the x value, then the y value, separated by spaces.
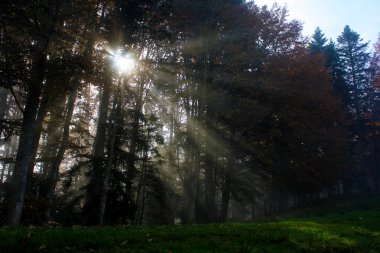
pixel 16 100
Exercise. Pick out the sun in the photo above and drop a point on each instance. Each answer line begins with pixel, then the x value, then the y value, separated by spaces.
pixel 124 62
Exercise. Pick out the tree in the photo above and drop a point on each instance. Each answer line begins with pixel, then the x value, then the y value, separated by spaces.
pixel 373 120
pixel 226 106
pixel 50 35
pixel 375 65
pixel 355 58
pixel 317 136
pixel 320 45
pixel 34 86
pixel 131 25
pixel 318 41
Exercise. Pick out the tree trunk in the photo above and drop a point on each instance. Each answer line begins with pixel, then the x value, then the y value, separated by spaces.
pixel 3 111
pixel 3 103
pixel 141 217
pixel 187 164
pixel 194 165
pixel 134 139
pixel 2 171
pixel 376 168
pixel 112 132
pixel 95 179
pixel 226 191
pixel 54 168
pixel 140 198
pixel 195 186
pixel 91 209
pixel 25 148
pixel 210 190
pixel 10 152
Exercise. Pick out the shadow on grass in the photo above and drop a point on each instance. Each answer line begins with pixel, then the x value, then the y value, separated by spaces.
pixel 349 232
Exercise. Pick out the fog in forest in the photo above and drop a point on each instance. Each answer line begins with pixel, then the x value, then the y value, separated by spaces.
pixel 153 112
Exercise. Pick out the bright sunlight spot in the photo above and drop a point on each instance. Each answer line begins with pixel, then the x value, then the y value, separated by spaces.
pixel 124 62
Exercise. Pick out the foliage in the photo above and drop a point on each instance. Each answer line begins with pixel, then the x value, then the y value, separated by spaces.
pixel 226 102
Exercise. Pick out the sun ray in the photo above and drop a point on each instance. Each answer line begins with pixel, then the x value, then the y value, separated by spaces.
pixel 125 63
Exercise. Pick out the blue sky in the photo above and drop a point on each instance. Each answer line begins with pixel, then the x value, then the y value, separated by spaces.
pixel 363 16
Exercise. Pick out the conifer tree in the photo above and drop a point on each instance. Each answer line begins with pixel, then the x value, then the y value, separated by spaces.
pixel 318 41
pixel 355 59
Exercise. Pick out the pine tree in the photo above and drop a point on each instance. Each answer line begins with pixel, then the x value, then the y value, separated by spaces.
pixel 318 42
pixel 355 59
pixel 320 45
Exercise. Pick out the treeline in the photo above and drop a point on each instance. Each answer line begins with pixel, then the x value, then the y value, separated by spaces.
pixel 229 112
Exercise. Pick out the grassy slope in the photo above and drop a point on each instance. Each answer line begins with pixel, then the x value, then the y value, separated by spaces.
pixel 354 226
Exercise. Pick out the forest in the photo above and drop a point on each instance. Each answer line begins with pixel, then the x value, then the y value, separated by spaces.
pixel 153 112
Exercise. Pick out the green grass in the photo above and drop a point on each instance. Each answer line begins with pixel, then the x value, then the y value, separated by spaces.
pixel 352 227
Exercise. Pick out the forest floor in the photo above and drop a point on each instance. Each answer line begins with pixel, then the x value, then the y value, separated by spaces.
pixel 345 226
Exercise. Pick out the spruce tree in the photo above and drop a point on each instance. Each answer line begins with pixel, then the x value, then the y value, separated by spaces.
pixel 318 42
pixel 355 59
pixel 353 53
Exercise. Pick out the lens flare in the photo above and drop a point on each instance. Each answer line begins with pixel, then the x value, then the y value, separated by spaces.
pixel 124 62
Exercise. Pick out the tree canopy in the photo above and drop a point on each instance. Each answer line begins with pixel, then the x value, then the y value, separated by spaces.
pixel 225 107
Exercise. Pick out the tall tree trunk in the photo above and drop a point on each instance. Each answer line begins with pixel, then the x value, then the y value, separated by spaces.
pixel 194 165
pixel 376 168
pixel 210 189
pixel 112 132
pixel 140 202
pixel 41 113
pixel 132 149
pixel 171 151
pixel 210 162
pixel 195 186
pixel 2 171
pixel 141 216
pixel 187 163
pixel 10 153
pixel 203 131
pixel 3 111
pixel 54 168
pixel 25 148
pixel 131 170
pixel 53 136
pixel 226 191
pixel 3 103
pixel 91 208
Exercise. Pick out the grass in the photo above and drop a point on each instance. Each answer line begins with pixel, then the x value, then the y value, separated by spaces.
pixel 354 226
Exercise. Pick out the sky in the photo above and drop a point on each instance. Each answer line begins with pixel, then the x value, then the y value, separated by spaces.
pixel 363 16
